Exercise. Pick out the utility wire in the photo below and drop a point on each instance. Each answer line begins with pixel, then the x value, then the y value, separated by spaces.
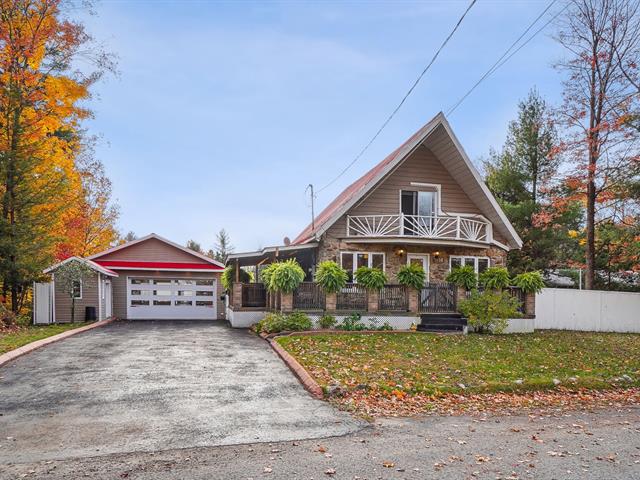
pixel 415 84
pixel 506 55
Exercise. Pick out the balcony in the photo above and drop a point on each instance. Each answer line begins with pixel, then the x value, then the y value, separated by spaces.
pixel 436 227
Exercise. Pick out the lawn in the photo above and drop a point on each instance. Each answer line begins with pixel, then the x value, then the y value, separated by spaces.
pixel 409 364
pixel 12 339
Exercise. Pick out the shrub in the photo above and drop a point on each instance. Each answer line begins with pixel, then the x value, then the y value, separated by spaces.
pixel 7 317
pixel 371 278
pixel 352 323
pixel 331 276
pixel 463 276
pixel 278 322
pixel 229 276
pixel 265 275
pixel 327 321
pixel 286 276
pixel 495 278
pixel 412 275
pixel 384 327
pixel 489 311
pixel 529 282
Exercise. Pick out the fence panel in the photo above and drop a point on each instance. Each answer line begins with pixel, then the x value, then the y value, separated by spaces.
pixel 393 298
pixel 352 297
pixel 438 298
pixel 254 295
pixel 309 296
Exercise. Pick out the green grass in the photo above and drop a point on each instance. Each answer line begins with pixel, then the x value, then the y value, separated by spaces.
pixel 436 364
pixel 24 335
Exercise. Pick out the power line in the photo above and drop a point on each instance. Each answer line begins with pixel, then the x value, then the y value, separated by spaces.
pixel 415 84
pixel 502 60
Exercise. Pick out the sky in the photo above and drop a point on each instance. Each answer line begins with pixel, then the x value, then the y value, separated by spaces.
pixel 222 113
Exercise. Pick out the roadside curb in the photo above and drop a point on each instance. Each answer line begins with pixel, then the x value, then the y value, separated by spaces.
pixel 298 370
pixel 30 347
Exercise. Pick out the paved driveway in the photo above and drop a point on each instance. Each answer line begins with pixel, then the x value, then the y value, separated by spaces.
pixel 149 386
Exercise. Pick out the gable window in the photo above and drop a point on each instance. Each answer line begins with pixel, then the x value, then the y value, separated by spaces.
pixel 76 289
pixel 420 207
pixel 351 261
pixel 479 264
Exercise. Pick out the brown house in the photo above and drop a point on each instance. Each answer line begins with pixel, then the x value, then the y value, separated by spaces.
pixel 147 278
pixel 424 203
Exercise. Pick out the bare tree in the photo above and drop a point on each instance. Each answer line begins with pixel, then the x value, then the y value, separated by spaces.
pixel 601 37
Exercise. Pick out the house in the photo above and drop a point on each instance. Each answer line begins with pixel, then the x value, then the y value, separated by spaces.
pixel 424 203
pixel 147 278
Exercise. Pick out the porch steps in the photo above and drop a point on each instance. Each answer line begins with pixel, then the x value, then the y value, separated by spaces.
pixel 442 322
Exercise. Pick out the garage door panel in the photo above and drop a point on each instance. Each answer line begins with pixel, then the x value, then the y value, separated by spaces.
pixel 171 298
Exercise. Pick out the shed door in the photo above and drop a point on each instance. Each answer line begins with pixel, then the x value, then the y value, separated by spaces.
pixel 171 298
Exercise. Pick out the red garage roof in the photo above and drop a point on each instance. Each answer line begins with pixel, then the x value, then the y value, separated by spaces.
pixel 133 265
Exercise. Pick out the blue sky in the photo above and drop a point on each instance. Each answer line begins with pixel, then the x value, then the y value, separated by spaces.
pixel 223 112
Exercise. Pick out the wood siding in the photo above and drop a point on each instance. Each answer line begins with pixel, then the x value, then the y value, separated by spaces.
pixel 152 250
pixel 119 287
pixel 422 166
pixel 63 300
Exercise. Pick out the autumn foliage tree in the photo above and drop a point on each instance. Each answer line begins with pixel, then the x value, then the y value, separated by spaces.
pixel 602 40
pixel 41 95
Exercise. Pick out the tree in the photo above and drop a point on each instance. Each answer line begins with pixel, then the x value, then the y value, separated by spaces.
pixel 193 245
pixel 602 40
pixel 70 276
pixel 223 246
pixel 521 178
pixel 41 90
pixel 129 237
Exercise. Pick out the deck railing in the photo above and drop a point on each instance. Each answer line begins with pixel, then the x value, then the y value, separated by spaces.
pixel 393 298
pixel 309 296
pixel 352 297
pixel 449 227
pixel 438 297
pixel 254 295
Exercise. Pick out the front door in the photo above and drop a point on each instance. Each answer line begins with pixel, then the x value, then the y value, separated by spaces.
pixel 421 259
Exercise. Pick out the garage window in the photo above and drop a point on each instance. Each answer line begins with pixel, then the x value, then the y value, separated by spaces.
pixel 205 283
pixel 139 303
pixel 161 303
pixel 162 281
pixel 183 302
pixel 204 293
pixel 204 303
pixel 139 281
pixel 185 293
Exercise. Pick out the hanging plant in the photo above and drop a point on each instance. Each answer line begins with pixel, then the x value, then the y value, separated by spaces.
pixel 331 276
pixel 371 278
pixel 529 282
pixel 286 276
pixel 412 275
pixel 495 278
pixel 229 276
pixel 463 276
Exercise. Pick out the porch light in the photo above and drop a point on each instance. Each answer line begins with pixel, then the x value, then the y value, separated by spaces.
pixel 400 252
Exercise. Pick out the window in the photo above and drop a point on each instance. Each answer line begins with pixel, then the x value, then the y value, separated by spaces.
pixel 351 261
pixel 162 281
pixel 76 289
pixel 204 303
pixel 185 293
pixel 187 303
pixel 185 282
pixel 205 283
pixel 139 303
pixel 162 302
pixel 139 281
pixel 204 293
pixel 162 293
pixel 479 264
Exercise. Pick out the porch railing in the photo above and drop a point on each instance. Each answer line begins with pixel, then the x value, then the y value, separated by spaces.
pixel 450 227
pixel 254 295
pixel 352 297
pixel 437 297
pixel 393 298
pixel 309 296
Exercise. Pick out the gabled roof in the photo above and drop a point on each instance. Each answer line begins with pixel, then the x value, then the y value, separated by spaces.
pixel 164 240
pixel 91 264
pixel 459 166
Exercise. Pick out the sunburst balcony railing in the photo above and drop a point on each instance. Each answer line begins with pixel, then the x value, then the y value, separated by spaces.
pixel 444 227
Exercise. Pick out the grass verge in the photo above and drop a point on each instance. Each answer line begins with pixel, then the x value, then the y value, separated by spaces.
pixel 20 336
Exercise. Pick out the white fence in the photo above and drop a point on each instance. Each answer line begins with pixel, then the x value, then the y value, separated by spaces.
pixel 588 310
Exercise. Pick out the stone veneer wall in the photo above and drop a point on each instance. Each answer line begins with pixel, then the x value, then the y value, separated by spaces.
pixel 330 249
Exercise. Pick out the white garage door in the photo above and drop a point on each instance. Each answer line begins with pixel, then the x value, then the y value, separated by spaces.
pixel 171 298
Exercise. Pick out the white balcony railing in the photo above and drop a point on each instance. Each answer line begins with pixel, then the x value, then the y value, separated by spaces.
pixel 444 227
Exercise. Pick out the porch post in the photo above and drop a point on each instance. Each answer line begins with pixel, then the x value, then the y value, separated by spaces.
pixel 413 300
pixel 286 303
pixel 330 302
pixel 236 295
pixel 372 300
pixel 530 304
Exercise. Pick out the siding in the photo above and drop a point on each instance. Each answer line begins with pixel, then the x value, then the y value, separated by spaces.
pixel 152 250
pixel 119 287
pixel 423 167
pixel 89 299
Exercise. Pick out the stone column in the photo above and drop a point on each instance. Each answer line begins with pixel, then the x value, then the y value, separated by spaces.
pixel 530 304
pixel 413 300
pixel 330 302
pixel 236 295
pixel 372 300
pixel 286 302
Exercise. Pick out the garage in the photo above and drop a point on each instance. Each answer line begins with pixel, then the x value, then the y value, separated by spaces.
pixel 171 298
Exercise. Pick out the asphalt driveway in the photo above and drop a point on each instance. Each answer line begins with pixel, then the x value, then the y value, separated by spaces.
pixel 147 386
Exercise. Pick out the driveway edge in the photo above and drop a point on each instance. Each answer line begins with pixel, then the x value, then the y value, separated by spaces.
pixel 298 370
pixel 30 347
